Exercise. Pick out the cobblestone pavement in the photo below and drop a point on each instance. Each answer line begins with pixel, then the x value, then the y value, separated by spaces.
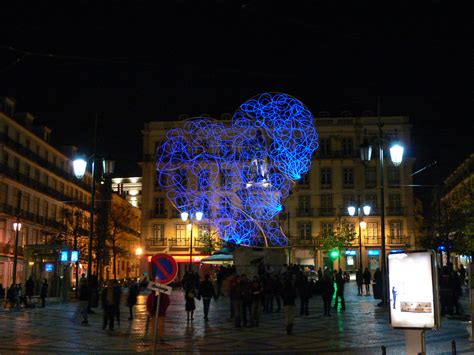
pixel 363 328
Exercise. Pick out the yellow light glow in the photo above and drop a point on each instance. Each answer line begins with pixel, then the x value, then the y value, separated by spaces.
pixel 31 263
pixel 134 180
pixel 363 225
pixel 133 192
pixel 138 251
pixel 189 226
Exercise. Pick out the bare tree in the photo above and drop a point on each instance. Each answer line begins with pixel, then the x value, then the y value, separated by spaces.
pixel 119 222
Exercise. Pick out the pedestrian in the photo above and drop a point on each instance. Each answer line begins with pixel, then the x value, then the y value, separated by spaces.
pixel 367 278
pixel 132 297
pixel 269 294
pixel 289 295
pixel 44 292
pixel 340 291
pixel 207 292
pixel 2 292
pixel 19 297
pixel 360 282
pixel 190 303
pixel 277 288
pixel 304 292
pixel 327 290
pixel 236 299
pixel 246 300
pixel 256 300
pixel 320 274
pixel 29 288
pixel 11 296
pixel 462 274
pixel 151 304
pixel 118 296
pixel 109 302
pixel 84 298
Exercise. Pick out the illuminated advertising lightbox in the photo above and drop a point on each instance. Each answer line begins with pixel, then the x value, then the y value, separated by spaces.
pixel 413 290
pixel 48 267
pixel 64 256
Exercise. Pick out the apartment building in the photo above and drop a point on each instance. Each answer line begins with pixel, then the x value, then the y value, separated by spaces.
pixel 39 190
pixel 318 202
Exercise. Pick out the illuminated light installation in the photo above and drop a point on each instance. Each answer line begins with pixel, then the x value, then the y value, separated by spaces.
pixel 238 173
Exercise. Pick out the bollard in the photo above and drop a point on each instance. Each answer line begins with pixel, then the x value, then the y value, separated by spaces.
pixel 453 347
pixel 384 350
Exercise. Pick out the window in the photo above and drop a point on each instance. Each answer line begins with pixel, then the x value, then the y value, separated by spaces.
pixel 371 200
pixel 304 203
pixel 159 207
pixel 123 265
pixel 396 230
pixel 304 230
pixel 347 146
pixel 372 230
pixel 45 209
pixel 226 180
pixel 325 178
pixel 393 176
pixel 370 177
pixel 326 228
pixel 304 181
pixel 326 201
pixel 2 231
pixel 325 147
pixel 350 227
pixel 3 192
pixel 158 234
pixel 16 164
pixel 348 200
pixel 225 206
pixel 204 232
pixel 203 180
pixel 26 202
pixel 394 201
pixel 180 239
pixel 348 177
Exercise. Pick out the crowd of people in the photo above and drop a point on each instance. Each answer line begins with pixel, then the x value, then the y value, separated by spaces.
pixel 451 283
pixel 17 298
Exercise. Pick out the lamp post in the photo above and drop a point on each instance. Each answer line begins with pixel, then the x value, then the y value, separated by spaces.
pixel 396 155
pixel 184 217
pixel 138 254
pixel 79 166
pixel 17 229
pixel 360 211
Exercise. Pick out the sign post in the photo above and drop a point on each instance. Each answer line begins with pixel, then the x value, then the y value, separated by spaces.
pixel 165 269
pixel 414 302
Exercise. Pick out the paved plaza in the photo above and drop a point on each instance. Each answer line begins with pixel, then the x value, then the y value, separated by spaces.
pixel 363 328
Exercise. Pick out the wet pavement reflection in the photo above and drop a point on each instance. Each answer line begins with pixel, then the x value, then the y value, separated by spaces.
pixel 362 328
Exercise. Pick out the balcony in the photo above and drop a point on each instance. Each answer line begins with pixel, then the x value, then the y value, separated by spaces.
pixel 159 214
pixel 372 240
pixel 395 211
pixel 179 242
pixel 150 243
pixel 399 239
pixel 8 249
pixel 326 212
pixel 305 212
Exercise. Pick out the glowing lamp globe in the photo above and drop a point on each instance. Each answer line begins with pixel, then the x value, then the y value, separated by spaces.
pixel 79 165
pixel 351 210
pixel 396 154
pixel 366 210
pixel 184 216
pixel 199 216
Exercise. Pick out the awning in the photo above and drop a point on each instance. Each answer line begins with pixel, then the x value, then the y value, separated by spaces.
pixel 218 259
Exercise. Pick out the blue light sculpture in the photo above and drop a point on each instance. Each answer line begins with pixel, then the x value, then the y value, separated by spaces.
pixel 238 173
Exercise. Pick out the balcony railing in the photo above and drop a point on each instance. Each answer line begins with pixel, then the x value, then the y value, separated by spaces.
pixel 395 211
pixel 155 242
pixel 327 212
pixel 179 242
pixel 41 161
pixel 399 239
pixel 372 240
pixel 305 212
pixel 159 214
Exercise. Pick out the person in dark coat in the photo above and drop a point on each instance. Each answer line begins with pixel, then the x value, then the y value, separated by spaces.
pixel 320 274
pixel 269 294
pixel 327 290
pixel 340 291
pixel 289 295
pixel 236 299
pixel 109 300
pixel 367 278
pixel 44 292
pixel 305 293
pixel 257 293
pixel 190 303
pixel 118 295
pixel 29 288
pixel 84 299
pixel 207 292
pixel 360 282
pixel 246 300
pixel 462 274
pixel 132 297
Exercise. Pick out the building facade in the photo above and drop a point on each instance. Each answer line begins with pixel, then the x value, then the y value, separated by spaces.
pixel 130 188
pixel 39 190
pixel 318 202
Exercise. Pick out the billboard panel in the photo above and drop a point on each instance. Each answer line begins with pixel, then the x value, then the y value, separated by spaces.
pixel 413 290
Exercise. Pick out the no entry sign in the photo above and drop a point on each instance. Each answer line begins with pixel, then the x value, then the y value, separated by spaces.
pixel 165 268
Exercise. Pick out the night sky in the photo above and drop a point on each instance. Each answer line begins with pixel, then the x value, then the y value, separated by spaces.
pixel 131 63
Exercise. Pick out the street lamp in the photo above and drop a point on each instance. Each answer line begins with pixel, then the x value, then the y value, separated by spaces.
pixel 365 210
pixel 17 229
pixel 79 166
pixel 198 217
pixel 396 155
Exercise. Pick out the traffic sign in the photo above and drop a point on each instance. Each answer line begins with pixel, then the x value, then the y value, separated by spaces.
pixel 165 268
pixel 154 286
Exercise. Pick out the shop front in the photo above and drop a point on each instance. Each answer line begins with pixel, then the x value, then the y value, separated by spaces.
pixel 350 260
pixel 373 259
